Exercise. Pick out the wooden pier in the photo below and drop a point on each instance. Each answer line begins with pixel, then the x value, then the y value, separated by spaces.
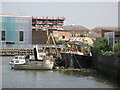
pixel 20 51
pixel 15 51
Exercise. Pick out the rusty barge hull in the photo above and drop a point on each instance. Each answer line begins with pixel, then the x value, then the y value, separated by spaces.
pixel 76 61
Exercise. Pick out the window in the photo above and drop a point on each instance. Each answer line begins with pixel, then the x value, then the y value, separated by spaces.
pixel 73 35
pixel 16 57
pixel 85 32
pixel 20 57
pixel 21 36
pixel 63 37
pixel 16 61
pixel 3 36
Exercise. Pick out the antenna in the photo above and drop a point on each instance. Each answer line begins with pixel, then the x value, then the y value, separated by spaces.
pixel 23 13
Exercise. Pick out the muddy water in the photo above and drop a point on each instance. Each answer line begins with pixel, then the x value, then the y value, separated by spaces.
pixel 49 79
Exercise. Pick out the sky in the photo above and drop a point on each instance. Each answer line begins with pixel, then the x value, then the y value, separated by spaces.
pixel 87 14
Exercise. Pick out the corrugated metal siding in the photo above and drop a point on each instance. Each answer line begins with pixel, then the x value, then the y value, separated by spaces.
pixel 8 24
pixel 12 26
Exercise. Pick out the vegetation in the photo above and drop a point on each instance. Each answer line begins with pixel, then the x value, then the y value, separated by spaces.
pixel 108 53
pixel 117 49
pixel 101 45
pixel 81 35
pixel 61 42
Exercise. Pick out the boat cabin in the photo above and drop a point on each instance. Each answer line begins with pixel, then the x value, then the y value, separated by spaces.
pixel 77 47
pixel 18 60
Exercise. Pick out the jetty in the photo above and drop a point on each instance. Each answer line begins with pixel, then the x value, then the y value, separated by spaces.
pixel 16 51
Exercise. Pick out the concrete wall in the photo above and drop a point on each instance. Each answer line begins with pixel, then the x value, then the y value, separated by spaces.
pixel 108 66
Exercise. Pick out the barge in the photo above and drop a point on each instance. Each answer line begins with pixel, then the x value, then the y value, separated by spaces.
pixel 78 53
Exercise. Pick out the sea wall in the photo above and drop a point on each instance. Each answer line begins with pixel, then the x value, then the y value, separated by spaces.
pixel 107 66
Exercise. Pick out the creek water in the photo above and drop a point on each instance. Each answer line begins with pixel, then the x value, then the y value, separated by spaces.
pixel 49 79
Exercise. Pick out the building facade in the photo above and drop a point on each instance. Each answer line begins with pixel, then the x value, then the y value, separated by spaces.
pixel 110 36
pixel 15 29
pixel 99 32
pixel 47 23
pixel 76 30
pixel 42 26
pixel 115 36
pixel 61 35
pixel 39 37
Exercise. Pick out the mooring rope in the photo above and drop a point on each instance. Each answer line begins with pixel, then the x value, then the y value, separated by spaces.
pixel 56 64
pixel 77 61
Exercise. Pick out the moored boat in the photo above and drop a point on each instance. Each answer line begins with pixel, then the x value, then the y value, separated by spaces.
pixel 17 60
pixel 46 65
pixel 40 60
pixel 74 60
pixel 28 63
pixel 77 54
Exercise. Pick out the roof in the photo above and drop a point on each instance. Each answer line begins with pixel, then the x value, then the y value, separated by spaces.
pixel 7 15
pixel 86 40
pixel 94 35
pixel 105 28
pixel 75 27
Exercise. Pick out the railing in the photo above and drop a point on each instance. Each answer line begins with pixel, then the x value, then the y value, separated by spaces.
pixel 28 46
pixel 11 50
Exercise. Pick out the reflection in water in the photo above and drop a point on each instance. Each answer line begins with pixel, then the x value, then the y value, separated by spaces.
pixel 49 79
pixel 90 76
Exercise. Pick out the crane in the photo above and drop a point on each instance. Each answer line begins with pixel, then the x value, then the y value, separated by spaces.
pixel 48 41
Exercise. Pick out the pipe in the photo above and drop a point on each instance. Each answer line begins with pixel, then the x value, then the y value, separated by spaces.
pixel 35 53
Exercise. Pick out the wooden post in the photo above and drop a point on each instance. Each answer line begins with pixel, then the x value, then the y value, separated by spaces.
pixel 54 44
pixel 46 44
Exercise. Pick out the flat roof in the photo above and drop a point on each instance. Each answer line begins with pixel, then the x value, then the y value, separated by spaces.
pixel 7 15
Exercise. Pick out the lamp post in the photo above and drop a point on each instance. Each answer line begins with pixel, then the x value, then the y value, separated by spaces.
pixel 47 25
pixel 72 30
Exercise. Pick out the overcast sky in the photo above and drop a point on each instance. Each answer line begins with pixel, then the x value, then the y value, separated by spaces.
pixel 87 14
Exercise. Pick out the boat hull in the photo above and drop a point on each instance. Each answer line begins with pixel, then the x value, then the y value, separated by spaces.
pixel 34 67
pixel 73 60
